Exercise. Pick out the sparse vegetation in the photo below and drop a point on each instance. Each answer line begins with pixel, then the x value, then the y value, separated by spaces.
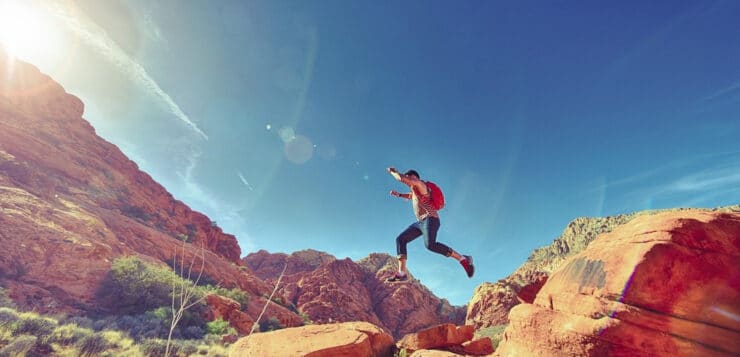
pixel 134 286
pixel 136 212
pixel 19 346
pixel 271 324
pixel 30 323
pixel 306 319
pixel 5 300
pixel 495 333
pixel 29 334
pixel 219 327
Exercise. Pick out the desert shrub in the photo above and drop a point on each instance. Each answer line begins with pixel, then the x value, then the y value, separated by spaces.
pixel 94 344
pixel 155 324
pixel 118 339
pixel 219 327
pixel 306 319
pixel 19 346
pixel 69 334
pixel 8 317
pixel 134 286
pixel 30 323
pixel 495 333
pixel 153 347
pixel 271 324
pixel 81 321
pixel 136 212
pixel 5 300
pixel 213 350
pixel 235 294
pixel 157 347
pixel 139 326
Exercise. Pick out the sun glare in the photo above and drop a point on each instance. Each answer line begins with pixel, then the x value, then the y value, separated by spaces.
pixel 25 32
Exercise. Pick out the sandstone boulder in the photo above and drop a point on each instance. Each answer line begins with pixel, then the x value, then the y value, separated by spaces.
pixel 355 339
pixel 445 340
pixel 661 285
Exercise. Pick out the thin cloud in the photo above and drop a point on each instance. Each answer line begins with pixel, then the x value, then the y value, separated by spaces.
pixel 688 182
pixel 227 215
pixel 92 34
pixel 722 93
pixel 708 180
pixel 244 181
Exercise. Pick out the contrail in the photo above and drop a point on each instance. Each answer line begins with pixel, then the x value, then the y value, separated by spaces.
pixel 721 93
pixel 244 181
pixel 96 37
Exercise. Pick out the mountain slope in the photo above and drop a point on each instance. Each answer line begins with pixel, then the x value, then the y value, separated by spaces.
pixel 71 203
pixel 327 290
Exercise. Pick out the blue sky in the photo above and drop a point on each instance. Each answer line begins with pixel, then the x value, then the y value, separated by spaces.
pixel 278 119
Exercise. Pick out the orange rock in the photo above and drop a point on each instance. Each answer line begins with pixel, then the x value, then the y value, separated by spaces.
pixel 479 347
pixel 329 290
pixel 344 339
pixel 661 285
pixel 228 310
pixel 437 337
pixel 434 353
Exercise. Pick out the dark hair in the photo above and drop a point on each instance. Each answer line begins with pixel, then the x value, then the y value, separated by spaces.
pixel 412 172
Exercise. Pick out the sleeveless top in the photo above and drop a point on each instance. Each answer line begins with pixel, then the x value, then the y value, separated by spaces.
pixel 422 204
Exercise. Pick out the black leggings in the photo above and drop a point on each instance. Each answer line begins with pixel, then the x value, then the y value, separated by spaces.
pixel 428 227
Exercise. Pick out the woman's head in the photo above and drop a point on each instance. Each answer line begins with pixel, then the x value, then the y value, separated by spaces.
pixel 412 173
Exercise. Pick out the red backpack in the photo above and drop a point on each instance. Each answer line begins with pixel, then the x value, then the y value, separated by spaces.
pixel 438 198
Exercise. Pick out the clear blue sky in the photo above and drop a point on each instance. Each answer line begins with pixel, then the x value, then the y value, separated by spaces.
pixel 278 118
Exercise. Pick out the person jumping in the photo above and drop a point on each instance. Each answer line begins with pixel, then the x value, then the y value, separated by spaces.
pixel 427 224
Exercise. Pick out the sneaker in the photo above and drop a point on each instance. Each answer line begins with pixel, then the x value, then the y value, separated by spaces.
pixel 397 277
pixel 467 263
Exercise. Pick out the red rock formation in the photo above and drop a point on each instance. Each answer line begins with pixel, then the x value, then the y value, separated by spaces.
pixel 491 302
pixel 328 290
pixel 453 340
pixel 661 285
pixel 71 203
pixel 228 310
pixel 360 339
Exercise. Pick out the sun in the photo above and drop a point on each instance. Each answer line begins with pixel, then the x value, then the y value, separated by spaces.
pixel 25 31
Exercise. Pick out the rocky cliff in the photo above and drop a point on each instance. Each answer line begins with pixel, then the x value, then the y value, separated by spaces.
pixel 327 290
pixel 660 285
pixel 491 302
pixel 71 203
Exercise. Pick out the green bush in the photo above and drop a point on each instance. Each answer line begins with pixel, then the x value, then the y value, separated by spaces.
pixel 8 317
pixel 134 286
pixel 93 345
pixel 306 319
pixel 30 323
pixel 235 294
pixel 271 324
pixel 214 350
pixel 5 300
pixel 154 347
pixel 69 334
pixel 20 346
pixel 495 333
pixel 219 327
